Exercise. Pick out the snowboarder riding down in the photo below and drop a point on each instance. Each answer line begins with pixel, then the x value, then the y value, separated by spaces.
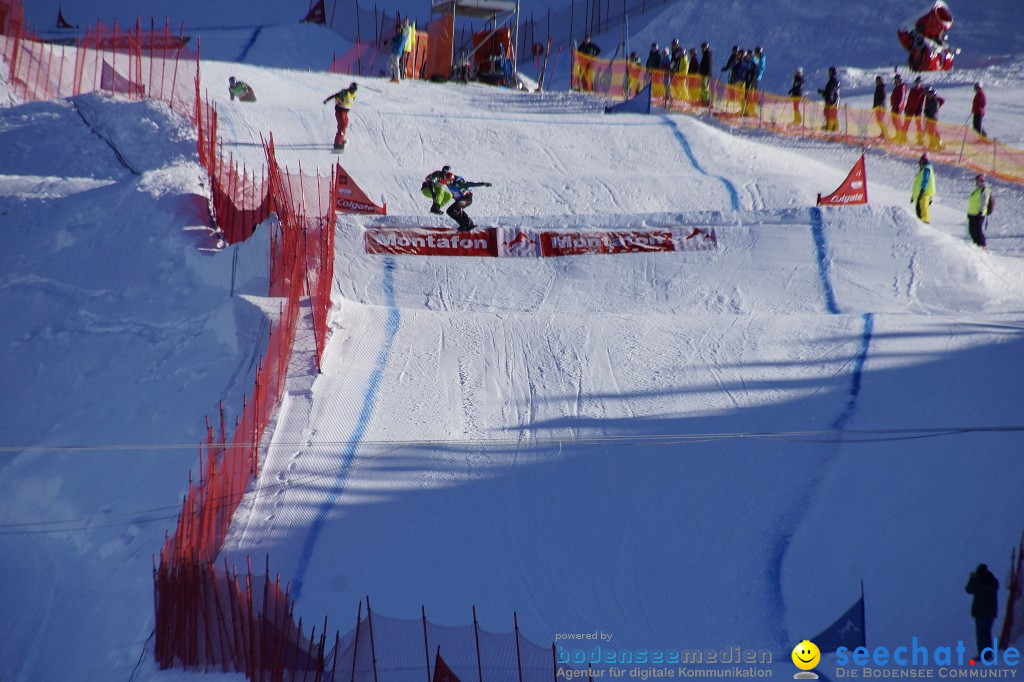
pixel 343 101
pixel 443 186
pixel 241 90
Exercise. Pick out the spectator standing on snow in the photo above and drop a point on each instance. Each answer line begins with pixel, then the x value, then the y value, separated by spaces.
pixel 932 102
pixel 343 101
pixel 915 107
pixel 588 48
pixel 408 42
pixel 694 62
pixel 395 56
pixel 706 64
pixel 923 190
pixel 979 206
pixel 761 60
pixel 896 101
pixel 985 588
pixel 750 84
pixel 242 91
pixel 797 93
pixel 589 51
pixel 830 93
pixel 730 64
pixel 978 109
pixel 878 105
pixel 653 58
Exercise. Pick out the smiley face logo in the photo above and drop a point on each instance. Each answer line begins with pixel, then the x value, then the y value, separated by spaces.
pixel 806 655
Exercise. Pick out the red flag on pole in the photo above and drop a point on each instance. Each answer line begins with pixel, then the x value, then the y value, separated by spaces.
pixel 854 189
pixel 442 673
pixel 351 199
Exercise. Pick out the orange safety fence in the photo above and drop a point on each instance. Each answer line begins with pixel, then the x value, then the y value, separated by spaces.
pixel 135 63
pixel 205 619
pixel 801 117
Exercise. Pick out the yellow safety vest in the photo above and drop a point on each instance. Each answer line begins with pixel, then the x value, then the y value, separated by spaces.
pixel 977 204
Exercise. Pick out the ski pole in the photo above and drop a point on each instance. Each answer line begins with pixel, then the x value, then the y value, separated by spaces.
pixel 964 143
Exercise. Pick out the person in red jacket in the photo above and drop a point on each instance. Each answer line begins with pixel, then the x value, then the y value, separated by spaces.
pixel 897 99
pixel 978 109
pixel 915 108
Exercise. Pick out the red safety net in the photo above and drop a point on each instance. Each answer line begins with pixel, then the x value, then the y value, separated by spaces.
pixel 371 59
pixel 133 63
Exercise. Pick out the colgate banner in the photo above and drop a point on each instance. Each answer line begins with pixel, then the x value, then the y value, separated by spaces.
pixel 524 242
pixel 854 189
pixel 351 199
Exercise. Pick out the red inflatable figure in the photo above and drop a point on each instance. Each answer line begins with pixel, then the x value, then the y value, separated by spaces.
pixel 924 37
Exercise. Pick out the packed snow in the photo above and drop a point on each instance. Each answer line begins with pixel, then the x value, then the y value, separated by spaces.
pixel 684 450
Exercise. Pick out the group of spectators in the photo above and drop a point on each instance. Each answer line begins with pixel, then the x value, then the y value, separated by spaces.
pixel 672 60
pixel 402 45
pixel 917 106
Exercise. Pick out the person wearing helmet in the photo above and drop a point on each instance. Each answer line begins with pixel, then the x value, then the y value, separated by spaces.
pixel 830 93
pixel 435 188
pixel 897 99
pixel 343 101
pixel 462 195
pixel 978 109
pixel 932 102
pixel 395 55
pixel 979 205
pixel 915 108
pixel 589 52
pixel 242 91
pixel 797 93
pixel 653 58
pixel 408 45
pixel 923 190
pixel 706 65
pixel 443 186
pixel 730 64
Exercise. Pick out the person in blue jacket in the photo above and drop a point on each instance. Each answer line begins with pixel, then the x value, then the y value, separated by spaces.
pixel 759 59
pixel 462 194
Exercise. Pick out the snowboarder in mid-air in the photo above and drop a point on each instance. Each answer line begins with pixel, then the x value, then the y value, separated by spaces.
pixel 343 101
pixel 443 186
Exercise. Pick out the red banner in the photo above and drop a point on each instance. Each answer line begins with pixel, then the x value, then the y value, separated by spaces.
pixel 425 241
pixel 579 243
pixel 854 189
pixel 525 242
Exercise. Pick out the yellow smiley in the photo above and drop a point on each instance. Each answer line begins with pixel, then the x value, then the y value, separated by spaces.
pixel 806 655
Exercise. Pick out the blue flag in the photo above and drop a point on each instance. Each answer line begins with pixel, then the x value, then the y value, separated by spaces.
pixel 847 631
pixel 640 103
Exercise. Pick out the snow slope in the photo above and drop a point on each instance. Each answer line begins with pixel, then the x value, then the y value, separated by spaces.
pixel 683 450
pixel 862 322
